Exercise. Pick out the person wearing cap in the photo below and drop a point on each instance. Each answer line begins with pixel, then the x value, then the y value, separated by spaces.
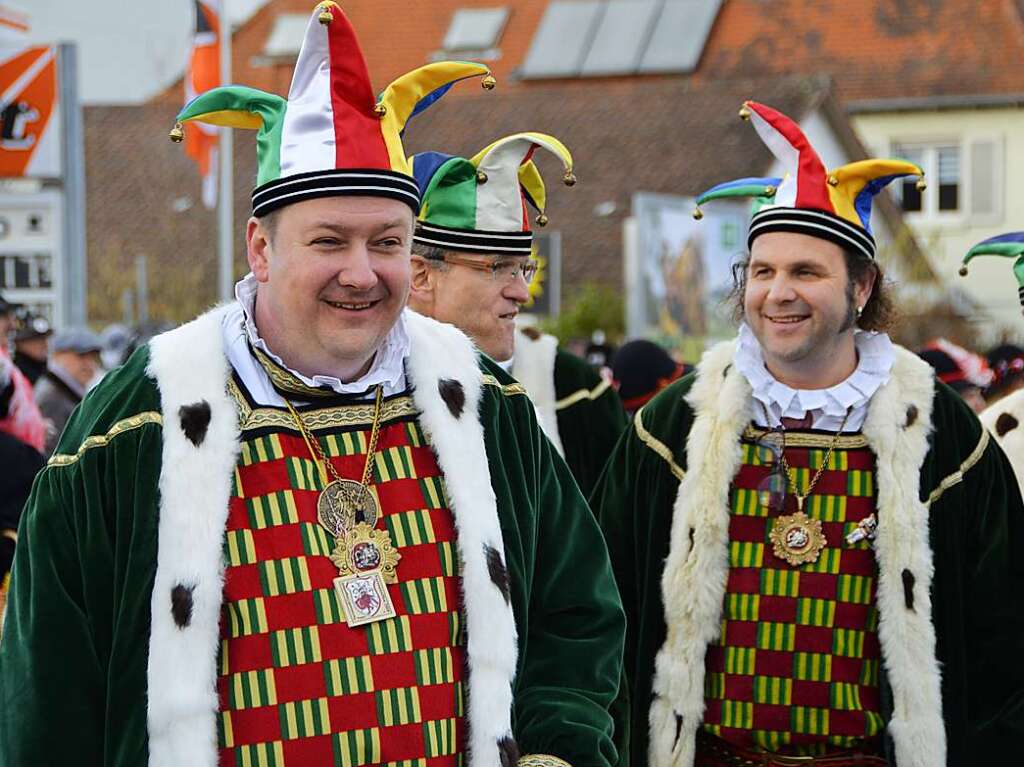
pixel 19 415
pixel 32 346
pixel 311 527
pixel 815 543
pixel 21 439
pixel 965 372
pixel 472 267
pixel 641 369
pixel 73 364
pixel 1004 394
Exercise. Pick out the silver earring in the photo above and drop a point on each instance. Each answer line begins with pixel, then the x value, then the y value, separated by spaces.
pixel 860 311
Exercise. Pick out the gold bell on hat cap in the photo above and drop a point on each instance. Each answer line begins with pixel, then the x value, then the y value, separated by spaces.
pixel 698 214
pixel 177 134
pixel 962 271
pixel 921 185
pixel 325 17
pixel 488 83
pixel 744 112
pixel 541 220
pixel 569 179
pixel 481 177
pixel 380 110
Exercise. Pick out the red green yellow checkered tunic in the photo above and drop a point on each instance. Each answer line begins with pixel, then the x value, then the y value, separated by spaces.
pixel 796 667
pixel 297 686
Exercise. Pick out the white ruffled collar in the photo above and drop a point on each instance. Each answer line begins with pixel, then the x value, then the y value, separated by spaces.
pixel 387 369
pixel 875 358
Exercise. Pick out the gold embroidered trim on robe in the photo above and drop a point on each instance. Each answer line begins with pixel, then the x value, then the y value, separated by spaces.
pixel 958 476
pixel 582 394
pixel 99 440
pixel 656 445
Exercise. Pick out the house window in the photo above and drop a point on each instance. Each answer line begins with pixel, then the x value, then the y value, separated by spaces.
pixel 475 29
pixel 942 166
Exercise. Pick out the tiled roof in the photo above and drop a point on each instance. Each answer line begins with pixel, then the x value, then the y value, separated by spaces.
pixel 872 49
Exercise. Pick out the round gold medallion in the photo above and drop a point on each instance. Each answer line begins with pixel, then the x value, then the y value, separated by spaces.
pixel 343 504
pixel 797 538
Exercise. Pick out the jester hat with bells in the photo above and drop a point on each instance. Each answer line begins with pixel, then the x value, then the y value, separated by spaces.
pixel 1005 246
pixel 479 205
pixel 331 137
pixel 809 199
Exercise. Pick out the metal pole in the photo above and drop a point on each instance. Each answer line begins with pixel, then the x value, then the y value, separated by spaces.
pixel 73 292
pixel 226 195
pixel 142 288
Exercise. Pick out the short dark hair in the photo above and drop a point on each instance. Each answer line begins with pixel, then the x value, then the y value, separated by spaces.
pixel 269 222
pixel 879 312
pixel 429 252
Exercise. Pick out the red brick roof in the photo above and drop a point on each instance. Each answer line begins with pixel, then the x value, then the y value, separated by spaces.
pixel 871 49
pixel 874 48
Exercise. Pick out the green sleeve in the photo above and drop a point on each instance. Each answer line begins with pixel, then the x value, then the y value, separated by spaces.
pixel 589 427
pixel 994 609
pixel 74 650
pixel 574 647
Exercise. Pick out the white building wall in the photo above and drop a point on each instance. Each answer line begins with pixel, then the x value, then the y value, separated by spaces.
pixel 946 236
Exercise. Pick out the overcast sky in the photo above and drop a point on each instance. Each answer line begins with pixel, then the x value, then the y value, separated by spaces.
pixel 128 50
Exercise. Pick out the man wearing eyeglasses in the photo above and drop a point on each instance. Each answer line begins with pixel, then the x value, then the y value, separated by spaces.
pixel 817 544
pixel 472 267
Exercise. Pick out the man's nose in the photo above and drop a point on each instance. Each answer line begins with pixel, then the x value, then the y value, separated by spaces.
pixel 357 268
pixel 517 289
pixel 781 289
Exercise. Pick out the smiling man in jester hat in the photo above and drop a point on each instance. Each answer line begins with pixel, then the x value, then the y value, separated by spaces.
pixel 472 267
pixel 814 539
pixel 310 527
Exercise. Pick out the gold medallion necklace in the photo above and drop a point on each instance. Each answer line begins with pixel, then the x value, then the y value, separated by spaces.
pixel 349 511
pixel 797 538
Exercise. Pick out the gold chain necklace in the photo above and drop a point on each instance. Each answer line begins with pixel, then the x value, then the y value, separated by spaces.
pixel 791 475
pixel 797 538
pixel 349 511
pixel 343 503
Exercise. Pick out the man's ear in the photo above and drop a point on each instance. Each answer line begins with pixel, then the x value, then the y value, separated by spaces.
pixel 422 284
pixel 863 287
pixel 257 249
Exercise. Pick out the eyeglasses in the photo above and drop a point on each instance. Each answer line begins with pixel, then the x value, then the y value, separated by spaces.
pixel 502 269
pixel 771 491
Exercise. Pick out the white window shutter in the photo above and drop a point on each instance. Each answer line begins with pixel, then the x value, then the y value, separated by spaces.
pixel 986 181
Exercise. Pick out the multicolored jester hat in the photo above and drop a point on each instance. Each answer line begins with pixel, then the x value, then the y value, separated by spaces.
pixel 1010 245
pixel 479 205
pixel 331 136
pixel 809 199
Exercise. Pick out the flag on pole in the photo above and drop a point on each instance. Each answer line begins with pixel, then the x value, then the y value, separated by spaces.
pixel 202 74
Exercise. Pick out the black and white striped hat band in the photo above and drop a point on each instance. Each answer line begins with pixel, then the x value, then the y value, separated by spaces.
pixel 346 182
pixel 475 241
pixel 815 223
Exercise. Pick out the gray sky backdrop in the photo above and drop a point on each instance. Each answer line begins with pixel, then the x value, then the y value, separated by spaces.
pixel 129 50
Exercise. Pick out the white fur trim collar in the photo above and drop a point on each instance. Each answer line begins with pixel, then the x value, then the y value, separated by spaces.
pixel 201 443
pixel 534 367
pixel 693 582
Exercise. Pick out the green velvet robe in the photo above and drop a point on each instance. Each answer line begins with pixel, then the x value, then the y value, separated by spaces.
pixel 949 511
pixel 590 418
pixel 89 625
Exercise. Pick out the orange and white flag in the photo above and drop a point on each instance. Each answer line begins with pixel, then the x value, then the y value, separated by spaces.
pixel 202 74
